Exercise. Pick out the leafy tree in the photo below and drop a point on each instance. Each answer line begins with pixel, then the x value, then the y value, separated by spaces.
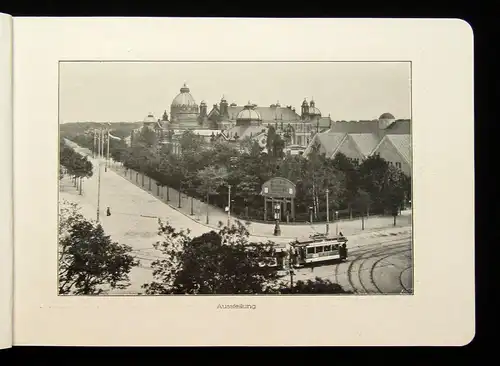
pixel 372 177
pixel 223 262
pixel 362 202
pixel 147 137
pixel 393 192
pixel 211 178
pixel 74 164
pixel 89 261
pixel 352 179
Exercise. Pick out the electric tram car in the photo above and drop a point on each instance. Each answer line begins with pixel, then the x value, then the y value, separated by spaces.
pixel 319 248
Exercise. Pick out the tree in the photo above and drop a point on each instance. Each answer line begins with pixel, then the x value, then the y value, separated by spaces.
pixel 372 177
pixel 352 182
pixel 362 202
pixel 223 262
pixel 393 192
pixel 211 179
pixel 318 286
pixel 147 137
pixel 89 261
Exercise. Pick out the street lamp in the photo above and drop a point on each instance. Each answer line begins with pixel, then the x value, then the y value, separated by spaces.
pixel 337 221
pixel 327 213
pixel 229 206
pixel 277 209
pixel 98 189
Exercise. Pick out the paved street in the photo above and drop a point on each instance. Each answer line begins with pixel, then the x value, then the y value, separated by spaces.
pixel 135 213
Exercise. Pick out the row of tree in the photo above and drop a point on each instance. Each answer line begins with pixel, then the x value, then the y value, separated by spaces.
pixel 217 262
pixel 74 165
pixel 205 169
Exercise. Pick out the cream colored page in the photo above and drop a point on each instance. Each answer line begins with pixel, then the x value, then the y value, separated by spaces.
pixel 442 310
pixel 6 242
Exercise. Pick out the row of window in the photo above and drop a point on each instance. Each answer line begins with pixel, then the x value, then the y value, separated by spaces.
pixel 321 249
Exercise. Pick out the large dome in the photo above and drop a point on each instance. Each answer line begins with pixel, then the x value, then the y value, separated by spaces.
pixel 249 114
pixel 184 98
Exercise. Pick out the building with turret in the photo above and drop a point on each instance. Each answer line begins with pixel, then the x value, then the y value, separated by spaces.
pixel 252 121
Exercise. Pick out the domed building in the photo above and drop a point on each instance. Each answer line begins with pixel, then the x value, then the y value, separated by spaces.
pixel 184 112
pixel 248 124
pixel 248 116
pixel 294 128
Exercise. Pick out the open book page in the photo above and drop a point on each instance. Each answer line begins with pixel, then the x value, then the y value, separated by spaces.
pixel 6 237
pixel 398 92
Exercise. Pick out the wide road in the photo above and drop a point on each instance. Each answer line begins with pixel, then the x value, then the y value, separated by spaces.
pixel 384 266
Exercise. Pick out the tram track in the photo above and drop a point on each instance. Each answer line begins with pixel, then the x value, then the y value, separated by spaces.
pixel 405 289
pixel 372 269
pixel 364 256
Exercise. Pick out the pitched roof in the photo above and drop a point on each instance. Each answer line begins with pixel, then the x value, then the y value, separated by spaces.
pixel 366 142
pixel 402 143
pixel 402 126
pixel 354 127
pixel 329 142
pixel 398 127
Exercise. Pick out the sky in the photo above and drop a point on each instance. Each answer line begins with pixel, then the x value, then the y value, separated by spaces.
pixel 128 91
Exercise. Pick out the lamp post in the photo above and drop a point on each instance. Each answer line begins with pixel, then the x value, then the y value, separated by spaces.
pixel 98 189
pixel 229 206
pixel 327 213
pixel 337 222
pixel 277 229
pixel 107 151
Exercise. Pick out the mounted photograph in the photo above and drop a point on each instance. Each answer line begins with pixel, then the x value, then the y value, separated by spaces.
pixel 235 178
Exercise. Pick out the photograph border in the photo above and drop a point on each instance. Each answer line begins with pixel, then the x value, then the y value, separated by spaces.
pixel 412 238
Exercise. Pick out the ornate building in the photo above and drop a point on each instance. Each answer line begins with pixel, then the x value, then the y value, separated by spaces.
pixel 233 123
pixel 250 120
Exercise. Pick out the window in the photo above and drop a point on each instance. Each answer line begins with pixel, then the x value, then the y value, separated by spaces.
pixel 328 248
pixel 310 250
pixel 319 249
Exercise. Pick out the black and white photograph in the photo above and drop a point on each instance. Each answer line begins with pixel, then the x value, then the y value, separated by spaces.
pixel 235 178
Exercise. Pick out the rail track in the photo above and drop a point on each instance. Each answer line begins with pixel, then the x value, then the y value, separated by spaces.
pixel 363 257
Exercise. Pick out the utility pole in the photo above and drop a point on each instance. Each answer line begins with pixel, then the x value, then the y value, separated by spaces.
pixel 102 143
pixel 98 141
pixel 107 152
pixel 327 213
pixel 95 144
pixel 98 189
pixel 229 207
pixel 337 222
pixel 208 207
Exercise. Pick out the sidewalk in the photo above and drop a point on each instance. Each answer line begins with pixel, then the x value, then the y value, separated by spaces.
pixel 215 215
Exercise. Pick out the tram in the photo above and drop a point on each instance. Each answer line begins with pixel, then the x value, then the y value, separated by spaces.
pixel 319 248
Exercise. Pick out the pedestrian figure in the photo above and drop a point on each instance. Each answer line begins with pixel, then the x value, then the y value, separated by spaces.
pixel 108 211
